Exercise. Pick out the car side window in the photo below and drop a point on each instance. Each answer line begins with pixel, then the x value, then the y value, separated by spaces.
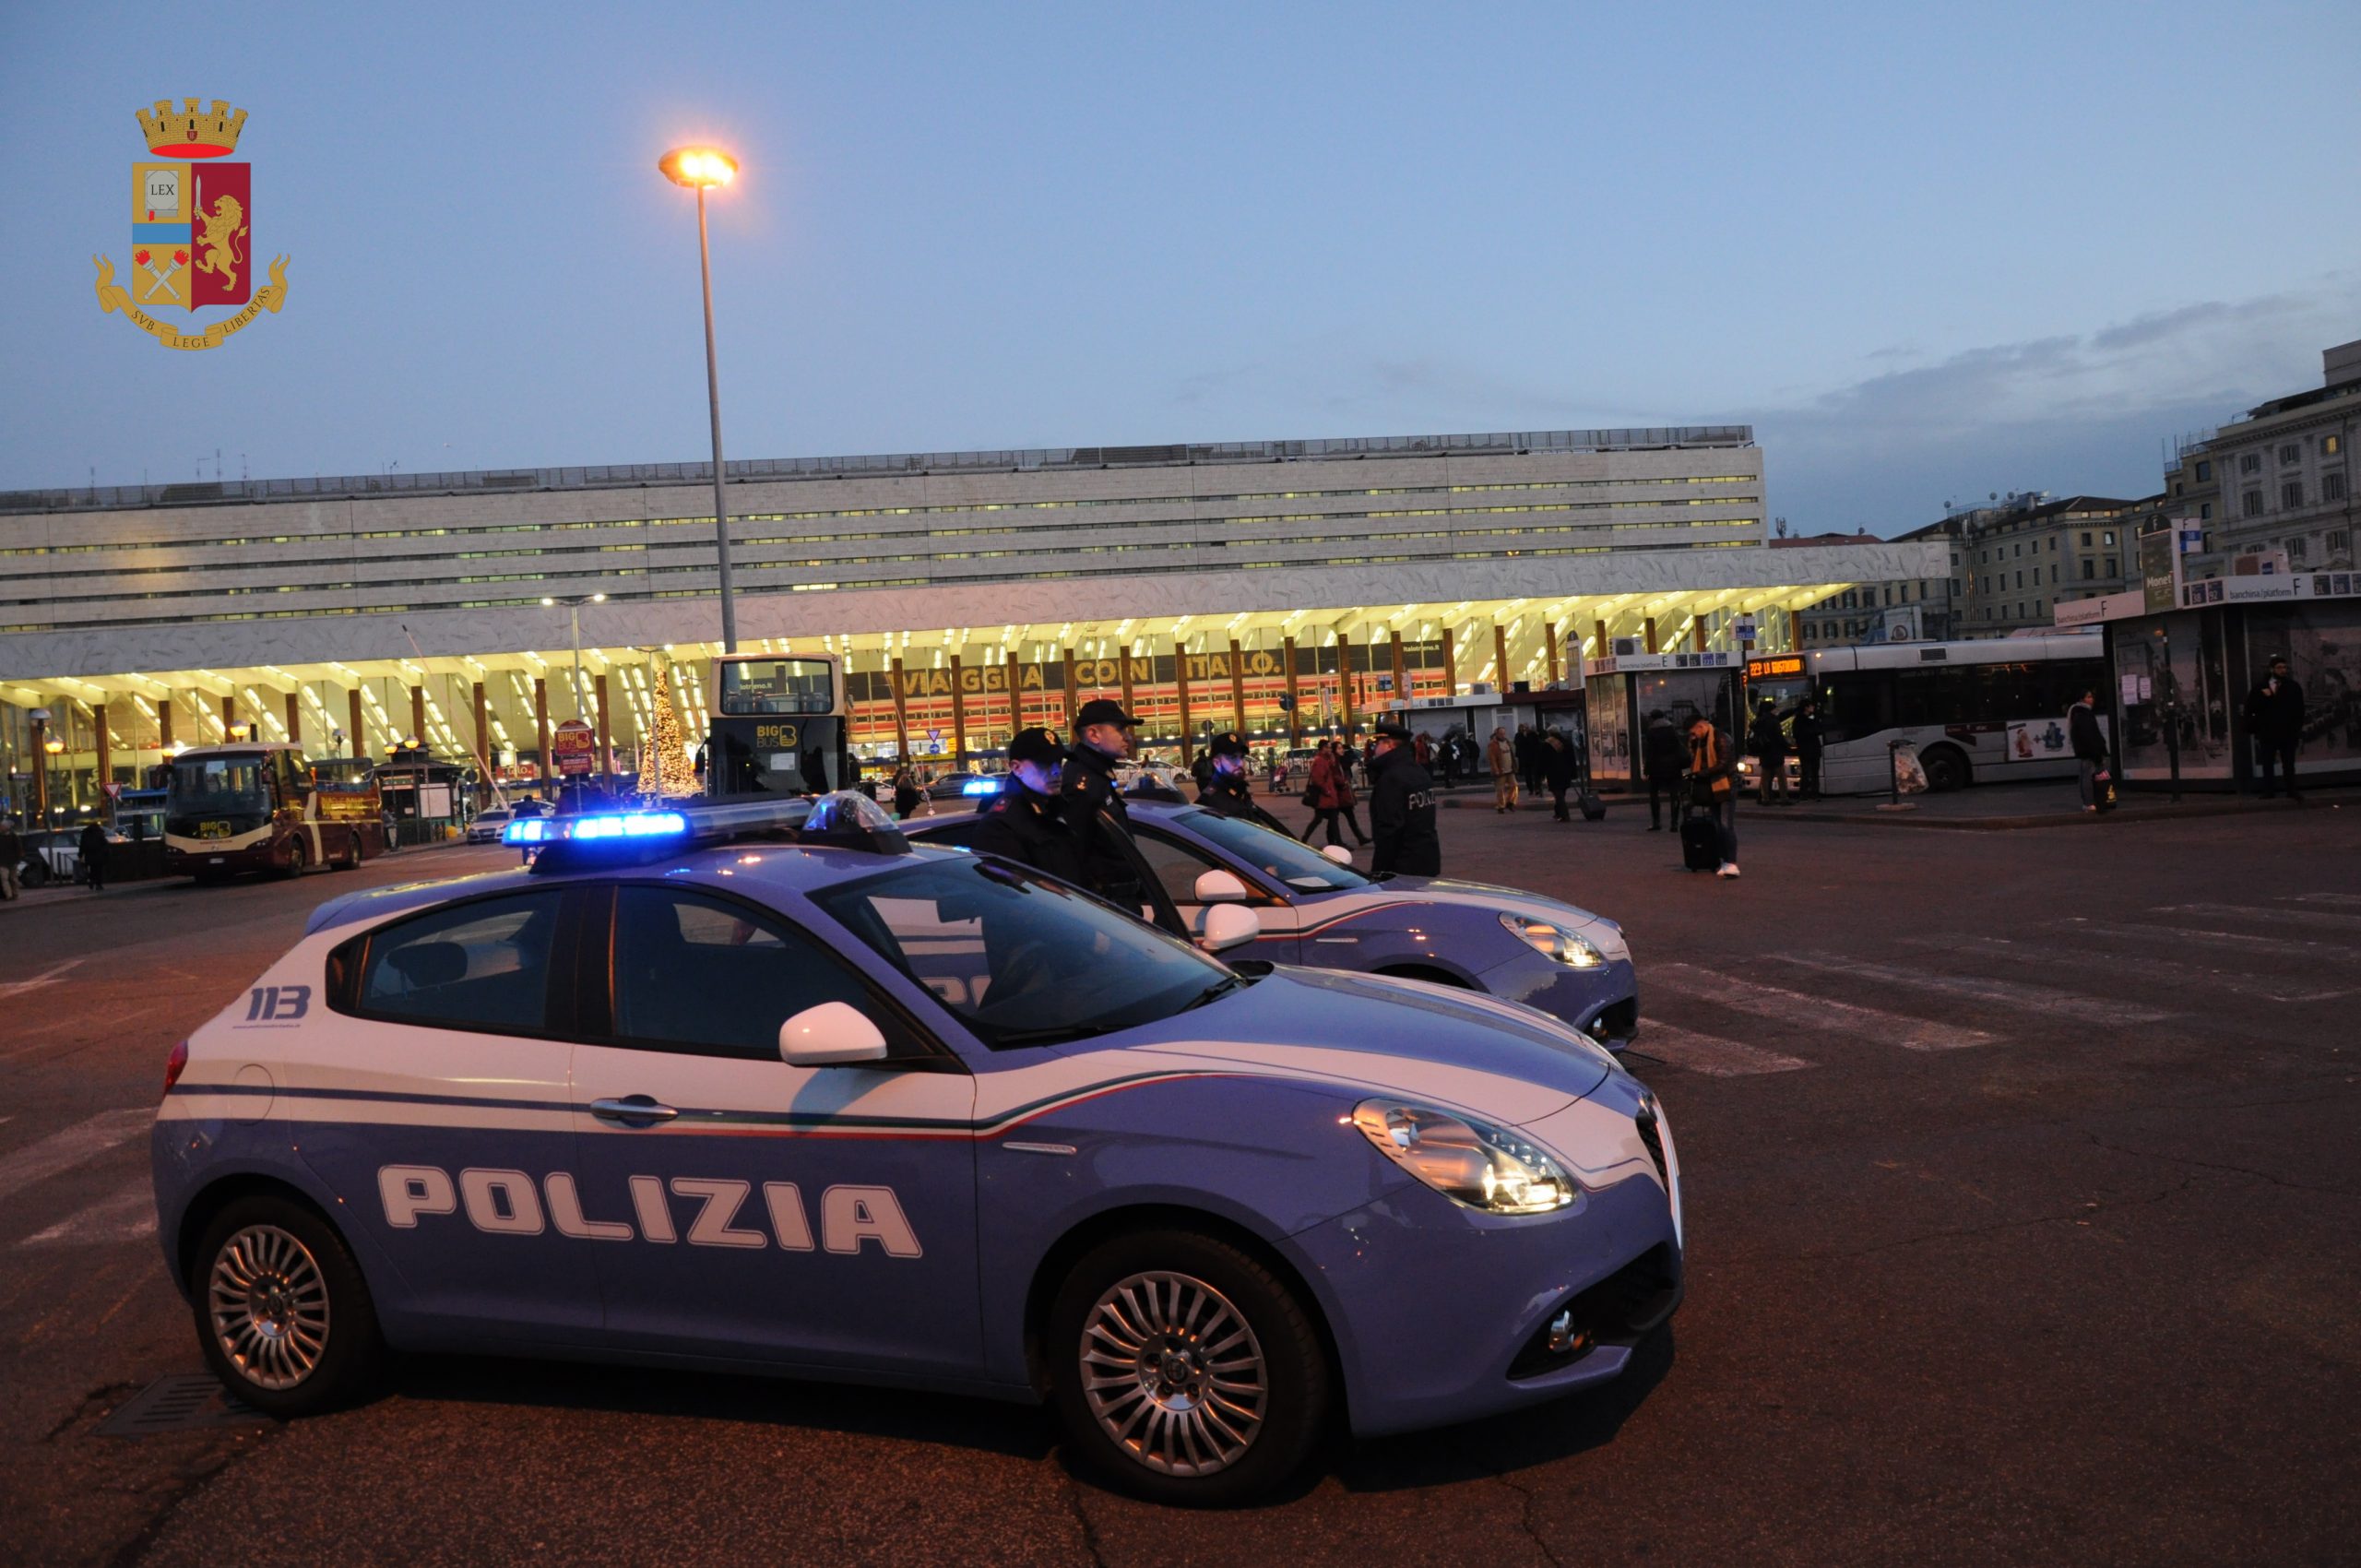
pixel 484 964
pixel 700 974
pixel 1176 865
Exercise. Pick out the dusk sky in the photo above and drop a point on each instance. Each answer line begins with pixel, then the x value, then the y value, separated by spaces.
pixel 1928 252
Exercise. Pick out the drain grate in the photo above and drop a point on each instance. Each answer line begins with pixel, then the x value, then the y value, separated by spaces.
pixel 183 1402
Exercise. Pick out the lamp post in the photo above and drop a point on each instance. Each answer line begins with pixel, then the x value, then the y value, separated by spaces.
pixel 701 168
pixel 574 630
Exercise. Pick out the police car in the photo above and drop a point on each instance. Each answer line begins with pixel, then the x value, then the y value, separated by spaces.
pixel 1316 909
pixel 703 1090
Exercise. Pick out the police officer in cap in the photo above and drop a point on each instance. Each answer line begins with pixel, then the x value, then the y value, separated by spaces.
pixel 1093 807
pixel 1226 790
pixel 1401 807
pixel 1024 824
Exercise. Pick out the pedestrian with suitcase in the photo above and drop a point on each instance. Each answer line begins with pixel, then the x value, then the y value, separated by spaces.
pixel 1664 757
pixel 1713 788
pixel 1558 770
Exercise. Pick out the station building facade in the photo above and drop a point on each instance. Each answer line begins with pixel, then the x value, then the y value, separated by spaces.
pixel 1274 587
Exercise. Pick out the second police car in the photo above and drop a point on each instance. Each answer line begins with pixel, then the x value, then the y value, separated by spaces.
pixel 699 1090
pixel 1315 910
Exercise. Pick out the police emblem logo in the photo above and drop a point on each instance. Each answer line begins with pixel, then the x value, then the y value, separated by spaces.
pixel 192 227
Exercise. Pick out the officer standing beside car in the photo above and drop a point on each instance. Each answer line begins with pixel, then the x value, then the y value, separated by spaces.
pixel 1093 807
pixel 1401 807
pixel 1226 790
pixel 1024 824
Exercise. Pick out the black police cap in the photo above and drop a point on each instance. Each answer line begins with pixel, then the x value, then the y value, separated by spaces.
pixel 1229 743
pixel 1102 710
pixel 1036 744
pixel 1391 730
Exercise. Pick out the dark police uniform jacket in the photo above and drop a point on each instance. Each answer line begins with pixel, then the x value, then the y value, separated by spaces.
pixel 1402 816
pixel 1227 794
pixel 1022 825
pixel 1092 808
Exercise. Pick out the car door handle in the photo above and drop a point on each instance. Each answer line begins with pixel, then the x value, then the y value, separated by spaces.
pixel 636 1107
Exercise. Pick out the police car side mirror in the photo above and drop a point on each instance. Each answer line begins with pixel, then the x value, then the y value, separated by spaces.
pixel 830 1034
pixel 1338 853
pixel 1228 926
pixel 1219 886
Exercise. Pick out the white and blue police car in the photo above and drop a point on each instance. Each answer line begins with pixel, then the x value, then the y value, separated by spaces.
pixel 1313 908
pixel 699 1089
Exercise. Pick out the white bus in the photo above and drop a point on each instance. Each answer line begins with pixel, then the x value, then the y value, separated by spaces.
pixel 1981 711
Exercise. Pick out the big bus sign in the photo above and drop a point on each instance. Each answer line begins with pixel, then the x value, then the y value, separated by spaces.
pixel 575 749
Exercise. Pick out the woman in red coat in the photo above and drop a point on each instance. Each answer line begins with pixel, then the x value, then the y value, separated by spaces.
pixel 1331 795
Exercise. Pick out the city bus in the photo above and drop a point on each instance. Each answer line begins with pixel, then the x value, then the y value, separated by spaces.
pixel 780 726
pixel 1981 711
pixel 259 806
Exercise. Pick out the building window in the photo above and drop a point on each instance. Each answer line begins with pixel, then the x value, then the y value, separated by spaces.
pixel 2205 511
pixel 2339 543
pixel 2291 494
pixel 2295 549
pixel 2090 570
pixel 2086 538
pixel 2251 463
pixel 2331 445
pixel 2109 538
pixel 2289 453
pixel 2204 471
pixel 2332 487
pixel 2110 565
pixel 2053 571
pixel 2250 503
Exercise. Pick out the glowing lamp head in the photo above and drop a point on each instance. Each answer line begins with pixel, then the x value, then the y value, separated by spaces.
pixel 702 166
pixel 53 745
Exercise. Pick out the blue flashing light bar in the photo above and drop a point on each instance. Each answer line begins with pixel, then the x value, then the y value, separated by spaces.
pixel 980 787
pixel 604 824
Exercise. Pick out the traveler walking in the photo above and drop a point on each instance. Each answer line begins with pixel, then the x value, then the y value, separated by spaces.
pixel 1807 731
pixel 12 852
pixel 1331 794
pixel 2089 743
pixel 91 851
pixel 1768 743
pixel 1557 769
pixel 1712 784
pixel 2275 719
pixel 1401 808
pixel 1528 758
pixel 1502 756
pixel 907 796
pixel 1664 757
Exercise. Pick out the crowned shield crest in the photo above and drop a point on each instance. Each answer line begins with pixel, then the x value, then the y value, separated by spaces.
pixel 192 228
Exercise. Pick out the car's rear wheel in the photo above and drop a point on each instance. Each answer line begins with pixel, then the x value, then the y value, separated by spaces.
pixel 282 1313
pixel 1186 1372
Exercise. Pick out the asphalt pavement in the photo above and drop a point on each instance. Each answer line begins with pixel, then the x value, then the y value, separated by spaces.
pixel 2022 1180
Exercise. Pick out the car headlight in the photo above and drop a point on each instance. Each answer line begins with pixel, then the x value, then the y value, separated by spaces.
pixel 1469 1162
pixel 1548 938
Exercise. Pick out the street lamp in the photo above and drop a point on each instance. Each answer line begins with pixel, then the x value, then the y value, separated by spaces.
pixel 701 168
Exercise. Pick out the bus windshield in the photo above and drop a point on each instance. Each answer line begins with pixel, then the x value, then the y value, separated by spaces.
pixel 777 685
pixel 220 784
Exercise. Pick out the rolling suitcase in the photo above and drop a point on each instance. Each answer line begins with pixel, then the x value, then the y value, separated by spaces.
pixel 1590 805
pixel 1701 842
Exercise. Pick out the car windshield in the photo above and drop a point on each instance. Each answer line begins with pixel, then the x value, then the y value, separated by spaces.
pixel 1020 959
pixel 1276 855
pixel 220 784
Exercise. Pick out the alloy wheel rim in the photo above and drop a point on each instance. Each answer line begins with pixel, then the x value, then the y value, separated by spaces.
pixel 269 1307
pixel 1174 1374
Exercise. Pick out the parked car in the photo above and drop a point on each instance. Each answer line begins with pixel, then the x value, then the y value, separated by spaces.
pixel 921 1118
pixel 1316 911
pixel 488 825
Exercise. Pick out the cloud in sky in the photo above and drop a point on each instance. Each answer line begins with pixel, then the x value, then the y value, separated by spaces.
pixel 2066 413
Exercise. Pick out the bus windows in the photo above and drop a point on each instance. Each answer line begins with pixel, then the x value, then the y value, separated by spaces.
pixel 777 685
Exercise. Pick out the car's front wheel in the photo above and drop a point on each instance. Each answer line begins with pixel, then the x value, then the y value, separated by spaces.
pixel 1185 1371
pixel 282 1313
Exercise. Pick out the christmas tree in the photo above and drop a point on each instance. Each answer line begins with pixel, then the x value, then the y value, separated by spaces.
pixel 665 770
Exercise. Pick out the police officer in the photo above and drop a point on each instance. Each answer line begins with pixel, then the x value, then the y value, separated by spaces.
pixel 1093 807
pixel 1401 807
pixel 1024 824
pixel 1225 790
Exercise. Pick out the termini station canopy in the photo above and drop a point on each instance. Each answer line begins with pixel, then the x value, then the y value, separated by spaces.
pixel 968 593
